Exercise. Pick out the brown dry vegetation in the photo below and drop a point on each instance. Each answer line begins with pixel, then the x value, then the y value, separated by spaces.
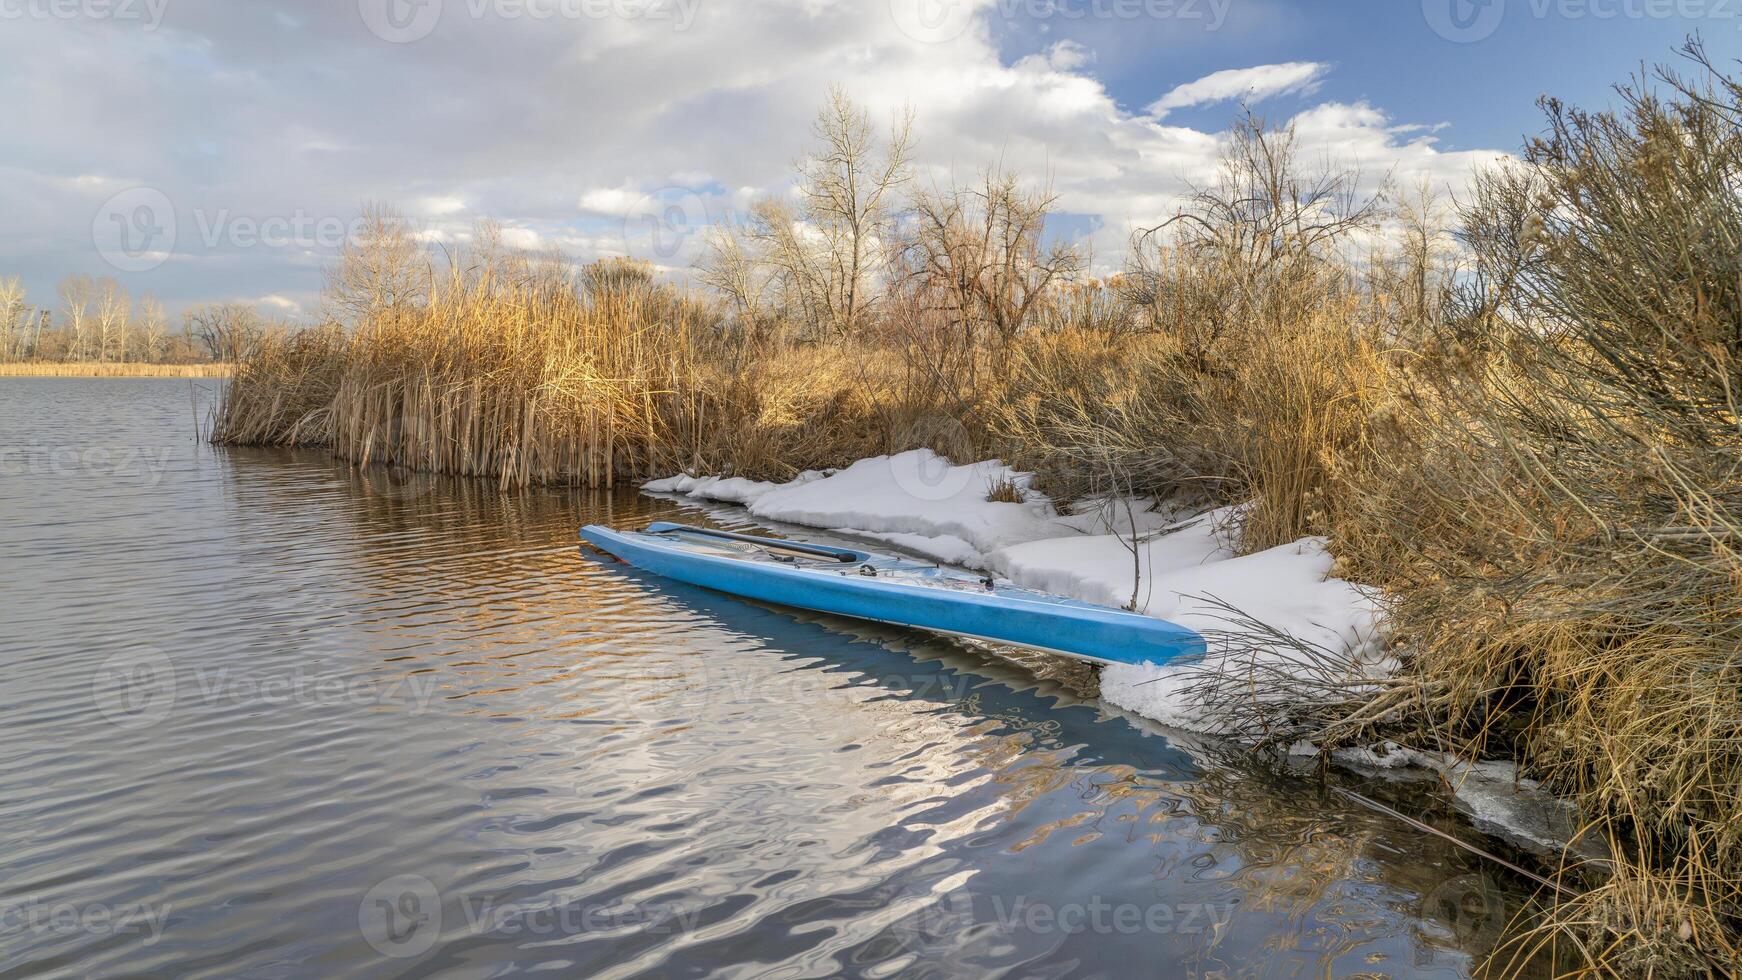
pixel 1531 441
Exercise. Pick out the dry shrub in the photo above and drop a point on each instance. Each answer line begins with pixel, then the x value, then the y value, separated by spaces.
pixel 1265 416
pixel 1245 363
pixel 1557 505
pixel 795 408
pixel 1095 413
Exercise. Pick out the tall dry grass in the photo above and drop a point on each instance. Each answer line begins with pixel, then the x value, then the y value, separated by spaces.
pixel 529 372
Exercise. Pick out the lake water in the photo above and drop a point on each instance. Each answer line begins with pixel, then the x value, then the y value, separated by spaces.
pixel 268 715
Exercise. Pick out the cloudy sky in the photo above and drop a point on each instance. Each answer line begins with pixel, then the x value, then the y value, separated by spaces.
pixel 212 150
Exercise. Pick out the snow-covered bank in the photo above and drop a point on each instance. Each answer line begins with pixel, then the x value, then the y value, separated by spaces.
pixel 1121 553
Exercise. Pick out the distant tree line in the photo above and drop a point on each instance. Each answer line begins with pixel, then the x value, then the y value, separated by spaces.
pixel 97 319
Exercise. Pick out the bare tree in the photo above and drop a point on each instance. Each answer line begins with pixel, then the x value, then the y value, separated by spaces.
pixel 730 267
pixel 153 327
pixel 114 309
pixel 847 185
pixel 14 319
pixel 380 268
pixel 227 331
pixel 980 250
pixel 1245 249
pixel 76 295
pixel 1411 272
pixel 825 260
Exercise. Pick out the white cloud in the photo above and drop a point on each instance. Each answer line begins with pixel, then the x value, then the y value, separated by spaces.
pixel 1251 84
pixel 438 206
pixel 522 238
pixel 614 202
pixel 284 305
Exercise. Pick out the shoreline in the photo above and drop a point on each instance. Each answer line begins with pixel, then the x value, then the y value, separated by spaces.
pixel 106 369
pixel 1187 571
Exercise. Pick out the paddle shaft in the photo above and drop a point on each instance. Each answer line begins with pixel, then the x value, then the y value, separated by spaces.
pixel 803 549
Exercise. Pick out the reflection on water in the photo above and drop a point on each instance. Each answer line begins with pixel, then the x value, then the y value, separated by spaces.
pixel 268 715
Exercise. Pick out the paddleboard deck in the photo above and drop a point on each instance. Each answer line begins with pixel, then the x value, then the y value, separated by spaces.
pixel 897 590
